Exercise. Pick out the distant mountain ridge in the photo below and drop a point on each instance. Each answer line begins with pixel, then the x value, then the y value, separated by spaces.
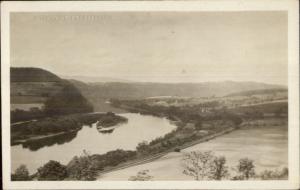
pixel 98 93
pixel 35 85
pixel 143 90
pixel 94 79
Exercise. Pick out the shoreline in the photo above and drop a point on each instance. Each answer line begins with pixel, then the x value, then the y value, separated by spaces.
pixel 159 155
pixel 40 137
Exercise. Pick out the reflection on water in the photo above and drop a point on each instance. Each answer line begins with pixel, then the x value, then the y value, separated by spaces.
pixel 63 148
pixel 35 145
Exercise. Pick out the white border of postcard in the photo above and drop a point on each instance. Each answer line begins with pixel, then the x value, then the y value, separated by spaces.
pixel 205 5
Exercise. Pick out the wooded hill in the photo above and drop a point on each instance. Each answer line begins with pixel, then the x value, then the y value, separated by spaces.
pixel 38 86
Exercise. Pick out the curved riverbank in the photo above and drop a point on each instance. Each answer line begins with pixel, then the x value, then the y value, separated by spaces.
pixel 159 155
pixel 42 137
pixel 126 137
pixel 271 154
pixel 55 126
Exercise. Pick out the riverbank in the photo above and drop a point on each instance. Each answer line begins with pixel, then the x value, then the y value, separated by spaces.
pixel 63 148
pixel 151 158
pixel 42 137
pixel 190 131
pixel 266 146
pixel 217 123
pixel 55 126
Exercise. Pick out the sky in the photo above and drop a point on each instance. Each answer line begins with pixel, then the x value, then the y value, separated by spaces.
pixel 154 46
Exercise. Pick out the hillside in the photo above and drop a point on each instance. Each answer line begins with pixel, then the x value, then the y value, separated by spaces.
pixel 29 74
pixel 90 79
pixel 34 87
pixel 143 90
pixel 98 93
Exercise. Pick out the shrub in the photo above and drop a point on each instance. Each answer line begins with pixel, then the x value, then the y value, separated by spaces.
pixel 52 171
pixel 273 175
pixel 246 168
pixel 21 174
pixel 143 148
pixel 204 166
pixel 219 169
pixel 82 168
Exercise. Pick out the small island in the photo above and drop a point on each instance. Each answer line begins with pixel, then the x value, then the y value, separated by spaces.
pixel 51 127
pixel 109 122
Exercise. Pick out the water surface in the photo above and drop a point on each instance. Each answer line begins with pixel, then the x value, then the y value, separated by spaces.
pixel 63 148
pixel 267 146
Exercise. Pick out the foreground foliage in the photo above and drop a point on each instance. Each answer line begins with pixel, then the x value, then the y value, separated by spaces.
pixel 245 168
pixel 52 171
pixel 274 175
pixel 21 174
pixel 82 168
pixel 205 166
pixel 199 165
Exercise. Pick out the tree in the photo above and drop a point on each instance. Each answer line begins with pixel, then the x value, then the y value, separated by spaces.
pixel 141 176
pixel 21 174
pixel 246 168
pixel 143 148
pixel 205 166
pixel 52 171
pixel 198 164
pixel 82 168
pixel 220 170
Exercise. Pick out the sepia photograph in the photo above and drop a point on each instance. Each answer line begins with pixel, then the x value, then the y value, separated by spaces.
pixel 149 96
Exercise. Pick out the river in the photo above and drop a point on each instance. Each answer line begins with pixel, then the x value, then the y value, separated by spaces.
pixel 267 146
pixel 63 148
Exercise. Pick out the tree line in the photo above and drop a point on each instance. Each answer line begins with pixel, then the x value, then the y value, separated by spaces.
pixel 199 165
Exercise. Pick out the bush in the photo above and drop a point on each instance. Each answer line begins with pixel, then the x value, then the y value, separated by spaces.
pixel 82 168
pixel 52 171
pixel 246 168
pixel 219 169
pixel 21 174
pixel 273 175
pixel 143 148
pixel 86 166
pixel 205 166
